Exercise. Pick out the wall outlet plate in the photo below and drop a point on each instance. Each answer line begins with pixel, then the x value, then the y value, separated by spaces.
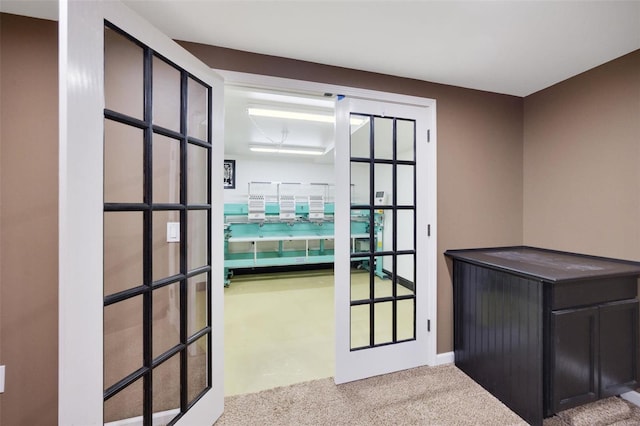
pixel 1 378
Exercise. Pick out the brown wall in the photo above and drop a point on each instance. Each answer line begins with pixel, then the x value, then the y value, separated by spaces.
pixel 29 220
pixel 479 155
pixel 582 162
pixel 581 182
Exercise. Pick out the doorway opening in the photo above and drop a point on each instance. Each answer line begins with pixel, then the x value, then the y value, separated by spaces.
pixel 279 237
pixel 382 198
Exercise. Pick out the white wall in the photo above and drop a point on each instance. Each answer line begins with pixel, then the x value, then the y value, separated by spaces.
pixel 281 169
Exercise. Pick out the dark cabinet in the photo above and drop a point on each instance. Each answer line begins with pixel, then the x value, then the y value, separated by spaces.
pixel 574 358
pixel 594 353
pixel 543 330
pixel 619 356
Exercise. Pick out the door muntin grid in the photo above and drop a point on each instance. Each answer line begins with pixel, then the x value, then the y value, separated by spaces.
pixel 157 309
pixel 383 217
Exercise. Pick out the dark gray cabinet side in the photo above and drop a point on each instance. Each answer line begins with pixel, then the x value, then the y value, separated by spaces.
pixel 618 347
pixel 498 336
pixel 574 357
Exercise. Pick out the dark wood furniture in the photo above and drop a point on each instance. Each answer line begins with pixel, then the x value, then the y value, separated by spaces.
pixel 545 330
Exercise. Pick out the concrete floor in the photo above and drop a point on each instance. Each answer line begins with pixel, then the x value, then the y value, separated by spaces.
pixel 279 328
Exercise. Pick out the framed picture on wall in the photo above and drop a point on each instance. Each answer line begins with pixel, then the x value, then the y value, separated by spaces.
pixel 229 174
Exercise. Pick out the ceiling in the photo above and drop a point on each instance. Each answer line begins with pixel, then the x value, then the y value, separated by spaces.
pixel 243 131
pixel 509 47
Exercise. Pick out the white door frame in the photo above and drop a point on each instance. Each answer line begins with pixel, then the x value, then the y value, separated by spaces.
pixel 429 165
pixel 81 106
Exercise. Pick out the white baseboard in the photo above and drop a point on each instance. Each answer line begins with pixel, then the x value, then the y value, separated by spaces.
pixel 159 419
pixel 444 358
pixel 633 397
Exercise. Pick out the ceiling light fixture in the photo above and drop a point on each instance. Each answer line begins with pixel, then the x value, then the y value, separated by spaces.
pixel 297 115
pixel 284 149
pixel 270 97
pixel 292 115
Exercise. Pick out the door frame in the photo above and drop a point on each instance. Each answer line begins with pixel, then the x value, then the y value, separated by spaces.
pixel 80 276
pixel 234 78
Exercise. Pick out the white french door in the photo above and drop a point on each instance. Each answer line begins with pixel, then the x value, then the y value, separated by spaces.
pixel 385 238
pixel 140 228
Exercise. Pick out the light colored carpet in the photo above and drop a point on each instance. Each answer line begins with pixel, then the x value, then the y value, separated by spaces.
pixel 612 411
pixel 422 396
pixel 599 413
pixel 438 396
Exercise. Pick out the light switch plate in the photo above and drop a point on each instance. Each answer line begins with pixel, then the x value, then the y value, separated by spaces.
pixel 1 378
pixel 173 232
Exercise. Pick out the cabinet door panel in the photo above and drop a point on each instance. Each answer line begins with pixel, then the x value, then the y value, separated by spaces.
pixel 618 347
pixel 574 358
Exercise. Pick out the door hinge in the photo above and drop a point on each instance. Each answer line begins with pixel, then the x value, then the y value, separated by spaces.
pixel 428 230
pixel 428 135
pixel 429 325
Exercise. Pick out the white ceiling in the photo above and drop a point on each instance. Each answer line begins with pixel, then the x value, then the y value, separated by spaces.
pixel 510 47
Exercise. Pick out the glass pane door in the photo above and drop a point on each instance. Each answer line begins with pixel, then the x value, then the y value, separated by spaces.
pixel 383 279
pixel 383 210
pixel 157 234
pixel 140 142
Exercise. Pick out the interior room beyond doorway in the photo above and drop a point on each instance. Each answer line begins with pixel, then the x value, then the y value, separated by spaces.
pixel 279 327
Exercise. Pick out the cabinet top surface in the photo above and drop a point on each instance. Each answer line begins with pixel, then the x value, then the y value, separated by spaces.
pixel 547 265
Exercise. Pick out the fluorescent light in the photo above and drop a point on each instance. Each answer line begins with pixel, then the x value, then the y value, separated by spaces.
pixel 299 150
pixel 296 115
pixel 293 115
